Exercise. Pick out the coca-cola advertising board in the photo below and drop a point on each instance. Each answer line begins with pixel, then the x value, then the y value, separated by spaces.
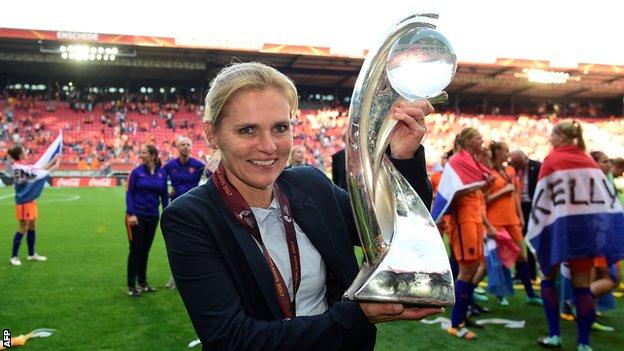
pixel 74 182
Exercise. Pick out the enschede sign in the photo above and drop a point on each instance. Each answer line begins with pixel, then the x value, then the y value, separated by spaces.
pixel 73 182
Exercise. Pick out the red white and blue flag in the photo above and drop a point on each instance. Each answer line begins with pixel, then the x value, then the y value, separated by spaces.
pixel 575 212
pixel 461 172
pixel 30 179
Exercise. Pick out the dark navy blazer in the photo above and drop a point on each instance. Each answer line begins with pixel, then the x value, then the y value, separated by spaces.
pixel 227 287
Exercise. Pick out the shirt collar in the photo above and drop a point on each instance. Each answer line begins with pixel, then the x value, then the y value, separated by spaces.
pixel 262 214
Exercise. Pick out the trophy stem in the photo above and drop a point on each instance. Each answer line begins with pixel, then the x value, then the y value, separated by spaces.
pixel 441 98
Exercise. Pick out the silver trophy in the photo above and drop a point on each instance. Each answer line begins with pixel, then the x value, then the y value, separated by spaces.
pixel 405 258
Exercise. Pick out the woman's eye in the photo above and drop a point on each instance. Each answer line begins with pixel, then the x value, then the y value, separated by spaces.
pixel 246 130
pixel 281 128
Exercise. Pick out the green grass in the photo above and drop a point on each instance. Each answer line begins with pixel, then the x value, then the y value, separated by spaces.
pixel 80 290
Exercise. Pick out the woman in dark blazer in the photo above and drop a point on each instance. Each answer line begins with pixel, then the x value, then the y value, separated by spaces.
pixel 243 244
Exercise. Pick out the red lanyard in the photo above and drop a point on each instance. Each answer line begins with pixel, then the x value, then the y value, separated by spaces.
pixel 241 210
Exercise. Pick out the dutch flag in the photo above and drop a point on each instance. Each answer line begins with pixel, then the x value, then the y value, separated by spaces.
pixel 461 172
pixel 575 213
pixel 30 179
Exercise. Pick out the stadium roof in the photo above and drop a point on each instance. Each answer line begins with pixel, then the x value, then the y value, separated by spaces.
pixel 36 53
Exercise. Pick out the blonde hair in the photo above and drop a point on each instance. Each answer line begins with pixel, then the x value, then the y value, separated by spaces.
pixel 183 138
pixel 464 135
pixel 573 131
pixel 244 76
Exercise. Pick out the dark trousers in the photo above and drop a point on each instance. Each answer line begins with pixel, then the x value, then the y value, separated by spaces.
pixel 526 211
pixel 140 237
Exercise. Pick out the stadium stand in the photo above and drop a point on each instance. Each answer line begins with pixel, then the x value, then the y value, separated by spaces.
pixel 106 137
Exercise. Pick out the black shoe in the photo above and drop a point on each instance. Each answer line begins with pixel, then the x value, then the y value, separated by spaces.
pixel 134 292
pixel 146 288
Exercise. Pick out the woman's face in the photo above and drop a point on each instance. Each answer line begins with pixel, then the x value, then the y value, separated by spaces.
pixel 502 155
pixel 298 154
pixel 474 144
pixel 146 157
pixel 254 137
pixel 604 163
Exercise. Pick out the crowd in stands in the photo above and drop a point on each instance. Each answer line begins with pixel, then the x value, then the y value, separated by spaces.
pixel 523 132
pixel 100 134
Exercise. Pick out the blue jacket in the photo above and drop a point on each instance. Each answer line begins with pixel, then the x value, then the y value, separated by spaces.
pixel 146 192
pixel 184 177
pixel 227 287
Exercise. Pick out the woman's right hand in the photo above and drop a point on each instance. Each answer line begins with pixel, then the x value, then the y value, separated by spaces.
pixel 133 220
pixel 510 187
pixel 386 312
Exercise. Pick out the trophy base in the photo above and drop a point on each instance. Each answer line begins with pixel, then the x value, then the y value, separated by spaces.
pixel 409 289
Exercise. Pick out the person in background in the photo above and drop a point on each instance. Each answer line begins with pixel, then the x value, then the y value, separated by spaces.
pixel 146 191
pixel 604 278
pixel 437 173
pixel 617 169
pixel 297 156
pixel 184 173
pixel 572 230
pixel 467 225
pixel 339 173
pixel 526 174
pixel 26 191
pixel 505 213
pixel 617 165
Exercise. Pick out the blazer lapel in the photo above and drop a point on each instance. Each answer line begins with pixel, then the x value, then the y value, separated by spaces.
pixel 252 254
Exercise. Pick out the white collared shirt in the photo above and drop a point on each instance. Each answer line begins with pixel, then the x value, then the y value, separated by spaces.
pixel 310 299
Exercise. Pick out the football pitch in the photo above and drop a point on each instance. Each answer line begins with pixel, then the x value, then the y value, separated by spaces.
pixel 80 291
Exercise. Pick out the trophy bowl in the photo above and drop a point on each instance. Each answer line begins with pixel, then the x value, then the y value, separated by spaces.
pixel 405 260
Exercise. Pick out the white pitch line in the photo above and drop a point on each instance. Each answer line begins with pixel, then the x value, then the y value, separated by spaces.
pixel 65 198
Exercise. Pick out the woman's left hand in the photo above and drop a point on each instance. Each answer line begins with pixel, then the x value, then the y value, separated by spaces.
pixel 387 312
pixel 410 129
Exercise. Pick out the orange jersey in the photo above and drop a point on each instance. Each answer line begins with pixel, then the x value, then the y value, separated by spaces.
pixel 435 181
pixel 468 208
pixel 502 211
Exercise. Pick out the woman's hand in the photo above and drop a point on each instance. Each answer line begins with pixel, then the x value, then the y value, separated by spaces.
pixel 509 187
pixel 133 220
pixel 386 312
pixel 410 128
